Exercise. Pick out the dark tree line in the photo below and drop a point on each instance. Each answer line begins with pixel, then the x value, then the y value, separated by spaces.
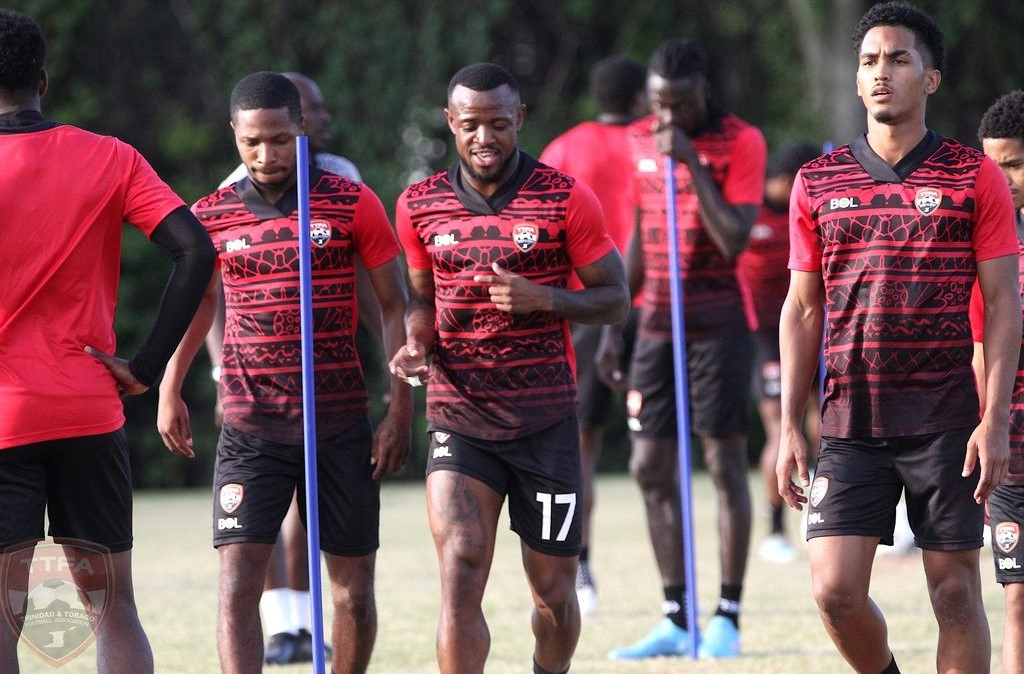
pixel 158 75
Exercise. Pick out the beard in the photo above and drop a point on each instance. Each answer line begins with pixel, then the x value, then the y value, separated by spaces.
pixel 495 174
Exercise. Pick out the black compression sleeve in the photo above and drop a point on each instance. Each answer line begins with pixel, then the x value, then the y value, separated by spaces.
pixel 185 241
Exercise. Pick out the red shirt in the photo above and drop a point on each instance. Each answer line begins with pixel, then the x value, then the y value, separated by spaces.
pixel 762 269
pixel 735 154
pixel 497 375
pixel 1015 475
pixel 898 251
pixel 64 194
pixel 257 243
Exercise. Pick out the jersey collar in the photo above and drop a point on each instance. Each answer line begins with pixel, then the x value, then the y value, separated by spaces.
pixel 882 172
pixel 285 206
pixel 24 121
pixel 477 203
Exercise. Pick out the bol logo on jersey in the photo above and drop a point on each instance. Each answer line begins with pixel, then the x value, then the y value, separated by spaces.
pixel 58 594
pixel 927 200
pixel 319 232
pixel 1007 535
pixel 525 236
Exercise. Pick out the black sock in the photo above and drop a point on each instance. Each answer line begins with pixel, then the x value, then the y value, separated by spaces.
pixel 729 604
pixel 777 519
pixel 675 605
pixel 537 669
pixel 892 668
pixel 584 554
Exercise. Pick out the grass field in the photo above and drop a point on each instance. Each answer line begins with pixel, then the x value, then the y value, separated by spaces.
pixel 176 575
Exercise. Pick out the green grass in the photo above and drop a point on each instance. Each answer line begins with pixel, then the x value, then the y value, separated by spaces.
pixel 176 576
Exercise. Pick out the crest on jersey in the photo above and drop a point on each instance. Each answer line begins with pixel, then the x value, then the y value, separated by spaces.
pixel 441 437
pixel 231 497
pixel 319 232
pixel 61 600
pixel 1006 535
pixel 927 200
pixel 818 490
pixel 525 236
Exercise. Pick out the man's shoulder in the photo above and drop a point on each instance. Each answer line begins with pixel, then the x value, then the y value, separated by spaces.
pixel 338 165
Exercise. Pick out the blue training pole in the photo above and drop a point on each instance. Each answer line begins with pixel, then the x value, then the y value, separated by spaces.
pixel 682 403
pixel 309 404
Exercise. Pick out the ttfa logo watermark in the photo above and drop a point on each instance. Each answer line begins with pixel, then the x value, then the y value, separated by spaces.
pixel 55 595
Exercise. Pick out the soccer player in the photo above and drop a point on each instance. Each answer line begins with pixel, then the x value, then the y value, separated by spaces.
pixel 62 443
pixel 597 152
pixel 285 603
pixel 1002 138
pixel 491 244
pixel 764 278
pixel 720 165
pixel 260 453
pixel 888 235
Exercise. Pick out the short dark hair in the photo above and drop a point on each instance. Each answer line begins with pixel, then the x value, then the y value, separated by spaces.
pixel 788 160
pixel 22 51
pixel 1005 118
pixel 615 81
pixel 676 58
pixel 482 77
pixel 266 91
pixel 925 30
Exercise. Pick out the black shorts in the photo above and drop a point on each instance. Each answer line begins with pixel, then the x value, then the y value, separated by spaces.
pixel 254 480
pixel 767 379
pixel 84 485
pixel 539 473
pixel 718 382
pixel 858 483
pixel 1006 510
pixel 595 399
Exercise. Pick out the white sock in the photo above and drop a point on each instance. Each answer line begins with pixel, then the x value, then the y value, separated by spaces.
pixel 300 603
pixel 274 606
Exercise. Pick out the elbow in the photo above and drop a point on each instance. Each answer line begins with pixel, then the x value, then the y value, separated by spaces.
pixel 623 301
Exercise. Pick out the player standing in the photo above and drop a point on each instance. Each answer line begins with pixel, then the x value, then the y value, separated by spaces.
pixel 1002 138
pixel 491 244
pixel 64 198
pixel 597 152
pixel 888 235
pixel 254 224
pixel 719 188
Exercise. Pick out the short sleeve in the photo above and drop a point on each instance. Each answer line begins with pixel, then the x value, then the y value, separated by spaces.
pixel 804 246
pixel 994 231
pixel 374 239
pixel 416 255
pixel 587 239
pixel 148 199
pixel 744 182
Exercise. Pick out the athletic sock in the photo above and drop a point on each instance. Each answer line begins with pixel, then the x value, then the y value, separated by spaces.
pixel 892 668
pixel 276 610
pixel 777 519
pixel 537 669
pixel 729 604
pixel 584 554
pixel 301 618
pixel 674 606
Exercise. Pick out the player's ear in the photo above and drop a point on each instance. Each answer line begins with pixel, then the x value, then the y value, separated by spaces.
pixel 932 80
pixel 43 83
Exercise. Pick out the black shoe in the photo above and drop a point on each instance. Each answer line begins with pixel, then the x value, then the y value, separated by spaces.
pixel 281 649
pixel 304 648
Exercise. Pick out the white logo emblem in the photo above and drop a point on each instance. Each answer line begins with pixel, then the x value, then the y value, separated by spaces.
pixel 647 166
pixel 441 436
pixel 319 232
pixel 442 240
pixel 442 451
pixel 1007 535
pixel 818 490
pixel 236 245
pixel 231 497
pixel 927 200
pixel 525 236
pixel 842 203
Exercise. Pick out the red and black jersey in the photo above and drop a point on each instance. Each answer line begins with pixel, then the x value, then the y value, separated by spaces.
pixel 497 375
pixel 1015 475
pixel 257 243
pixel 763 269
pixel 898 249
pixel 735 154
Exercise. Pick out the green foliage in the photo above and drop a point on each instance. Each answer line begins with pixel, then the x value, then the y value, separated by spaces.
pixel 158 75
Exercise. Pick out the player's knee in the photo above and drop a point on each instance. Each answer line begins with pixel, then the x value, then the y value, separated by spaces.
pixel 837 601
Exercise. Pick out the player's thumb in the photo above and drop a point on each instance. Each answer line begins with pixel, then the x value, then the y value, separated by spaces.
pixel 499 270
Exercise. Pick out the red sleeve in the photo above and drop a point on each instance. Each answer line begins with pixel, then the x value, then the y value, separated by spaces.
pixel 372 235
pixel 744 183
pixel 587 240
pixel 977 314
pixel 804 247
pixel 416 255
pixel 148 199
pixel 554 155
pixel 994 232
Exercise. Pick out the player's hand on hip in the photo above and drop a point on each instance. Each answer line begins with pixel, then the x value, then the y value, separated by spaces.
pixel 512 293
pixel 127 384
pixel 172 421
